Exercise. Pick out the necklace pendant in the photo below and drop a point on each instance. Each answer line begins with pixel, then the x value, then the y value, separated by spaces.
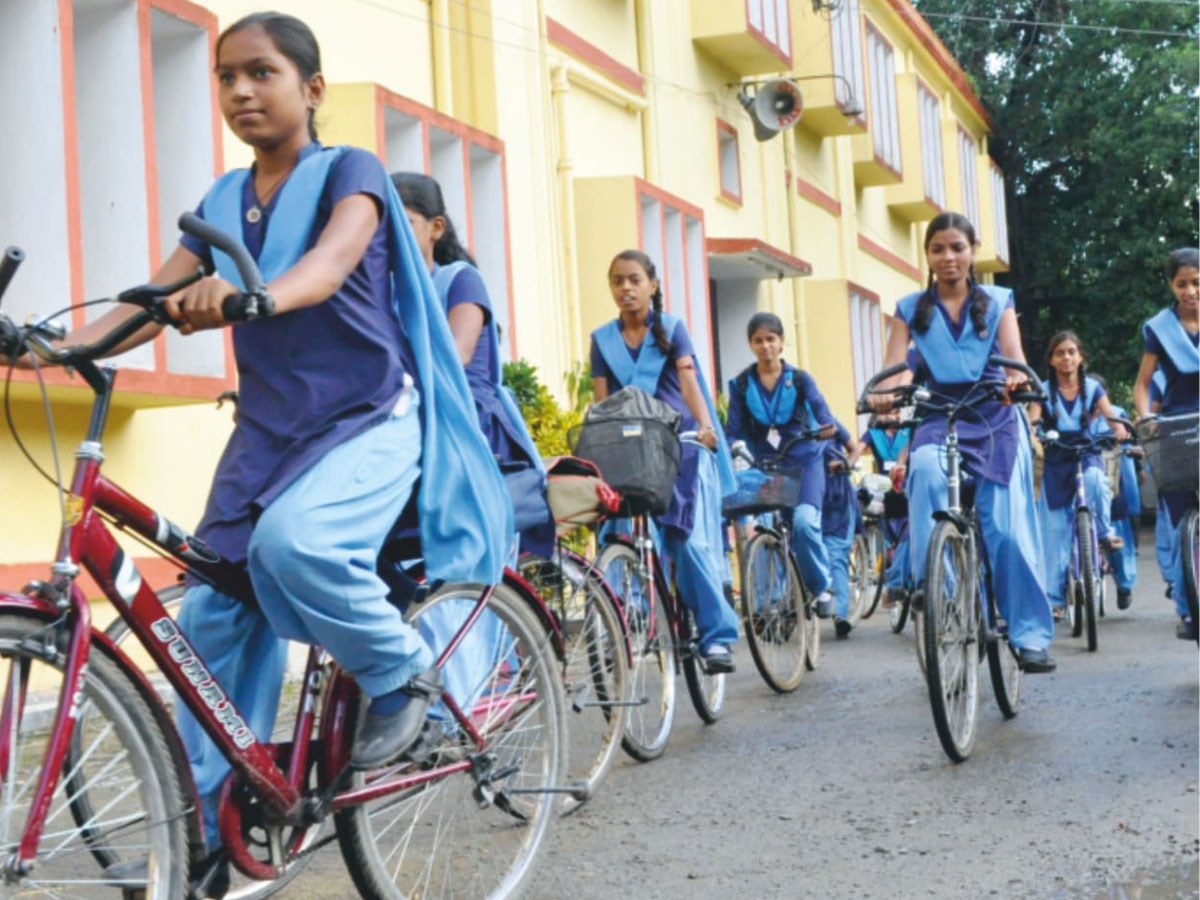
pixel 253 215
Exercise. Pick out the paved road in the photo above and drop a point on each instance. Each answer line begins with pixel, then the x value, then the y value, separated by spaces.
pixel 841 790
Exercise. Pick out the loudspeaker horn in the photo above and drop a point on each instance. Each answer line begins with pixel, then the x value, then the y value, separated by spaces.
pixel 775 106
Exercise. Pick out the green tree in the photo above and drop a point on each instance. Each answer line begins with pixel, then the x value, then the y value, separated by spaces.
pixel 1095 108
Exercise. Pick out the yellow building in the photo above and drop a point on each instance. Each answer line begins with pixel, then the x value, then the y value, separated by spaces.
pixel 562 131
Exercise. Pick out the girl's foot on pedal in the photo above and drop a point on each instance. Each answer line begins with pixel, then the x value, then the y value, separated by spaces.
pixel 717 659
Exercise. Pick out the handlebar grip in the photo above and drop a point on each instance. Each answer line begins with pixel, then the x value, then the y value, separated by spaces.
pixel 252 279
pixel 246 306
pixel 1027 397
pixel 13 257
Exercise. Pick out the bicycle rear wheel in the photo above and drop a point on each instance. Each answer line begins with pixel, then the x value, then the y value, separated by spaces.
pixel 861 579
pixel 241 886
pixel 812 622
pixel 876 571
pixel 707 691
pixel 595 667
pixel 1089 573
pixel 773 613
pixel 118 817
pixel 473 833
pixel 951 623
pixel 1189 546
pixel 651 691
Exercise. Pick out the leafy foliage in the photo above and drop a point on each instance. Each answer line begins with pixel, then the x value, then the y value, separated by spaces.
pixel 548 423
pixel 1095 108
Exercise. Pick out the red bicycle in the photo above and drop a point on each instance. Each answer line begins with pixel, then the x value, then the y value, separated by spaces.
pixel 95 787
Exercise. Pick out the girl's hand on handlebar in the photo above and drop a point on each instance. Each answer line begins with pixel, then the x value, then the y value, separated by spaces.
pixel 827 431
pixel 881 403
pixel 198 306
pixel 1015 382
pixel 707 435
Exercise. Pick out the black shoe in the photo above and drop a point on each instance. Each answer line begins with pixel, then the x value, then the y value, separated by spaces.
pixel 1035 662
pixel 824 605
pixel 1124 598
pixel 383 738
pixel 1186 630
pixel 717 659
pixel 842 627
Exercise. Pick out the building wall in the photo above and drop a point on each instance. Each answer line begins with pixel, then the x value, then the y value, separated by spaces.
pixel 563 130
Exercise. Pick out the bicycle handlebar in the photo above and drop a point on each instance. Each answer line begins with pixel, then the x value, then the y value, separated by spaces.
pixel 252 303
pixel 740 451
pixel 912 394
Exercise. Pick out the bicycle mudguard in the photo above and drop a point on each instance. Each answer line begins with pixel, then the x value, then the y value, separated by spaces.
pixel 24 604
pixel 538 607
pixel 959 520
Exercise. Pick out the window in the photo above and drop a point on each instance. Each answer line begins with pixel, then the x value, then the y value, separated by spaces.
pixel 772 21
pixel 846 32
pixel 866 342
pixel 999 214
pixel 469 167
pixel 728 162
pixel 673 237
pixel 970 178
pixel 932 168
pixel 118 136
pixel 885 117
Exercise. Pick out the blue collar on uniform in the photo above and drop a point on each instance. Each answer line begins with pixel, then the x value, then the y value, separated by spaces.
pixel 782 404
pixel 464 508
pixel 1175 340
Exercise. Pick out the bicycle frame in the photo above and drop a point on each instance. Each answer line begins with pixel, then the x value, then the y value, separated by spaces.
pixel 86 541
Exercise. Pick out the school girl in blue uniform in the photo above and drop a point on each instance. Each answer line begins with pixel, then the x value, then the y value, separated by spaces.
pixel 956 324
pixel 1173 345
pixel 771 402
pixel 889 448
pixel 1164 534
pixel 1074 402
pixel 346 395
pixel 472 323
pixel 651 350
pixel 841 520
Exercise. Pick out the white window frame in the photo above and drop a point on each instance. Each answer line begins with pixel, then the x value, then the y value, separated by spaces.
pixel 845 29
pixel 933 167
pixel 469 167
pixel 999 213
pixel 885 113
pixel 771 19
pixel 866 343
pixel 729 164
pixel 967 154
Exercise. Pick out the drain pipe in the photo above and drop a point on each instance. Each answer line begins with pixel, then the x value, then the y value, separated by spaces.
pixel 799 308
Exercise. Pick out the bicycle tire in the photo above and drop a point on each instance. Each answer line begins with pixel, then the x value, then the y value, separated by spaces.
pixel 1005 669
pixel 774 633
pixel 1074 597
pixel 706 690
pixel 812 622
pixel 951 625
pixel 454 836
pixel 1189 546
pixel 651 693
pixel 242 887
pixel 919 640
pixel 877 571
pixel 1085 533
pixel 121 773
pixel 857 569
pixel 898 614
pixel 595 670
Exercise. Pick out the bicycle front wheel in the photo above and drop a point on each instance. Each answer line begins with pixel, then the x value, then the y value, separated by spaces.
pixel 117 818
pixel 951 623
pixel 1089 573
pixel 773 613
pixel 651 691
pixel 861 579
pixel 1189 546
pixel 478 832
pixel 595 670
pixel 707 691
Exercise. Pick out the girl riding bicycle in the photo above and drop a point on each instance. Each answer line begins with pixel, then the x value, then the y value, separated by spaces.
pixel 1074 401
pixel 348 394
pixel 1172 341
pixel 653 351
pixel 956 324
pixel 841 520
pixel 771 402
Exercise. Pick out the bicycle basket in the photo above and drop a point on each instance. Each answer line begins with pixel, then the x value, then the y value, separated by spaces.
pixel 1112 469
pixel 759 492
pixel 1172 446
pixel 637 457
